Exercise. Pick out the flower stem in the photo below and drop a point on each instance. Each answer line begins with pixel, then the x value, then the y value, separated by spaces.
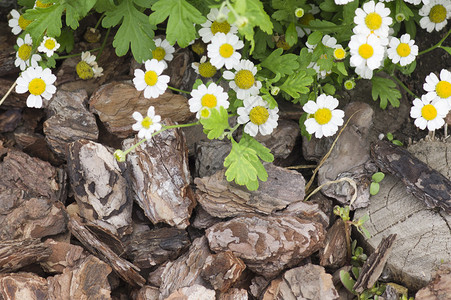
pixel 436 45
pixel 76 54
pixel 103 43
pixel 8 92
pixel 403 86
pixel 177 90
pixel 99 21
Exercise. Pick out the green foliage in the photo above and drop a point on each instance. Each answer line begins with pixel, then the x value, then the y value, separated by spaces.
pixel 385 89
pixel 390 137
pixel 182 17
pixel 215 125
pixel 297 83
pixel 244 164
pixel 66 40
pixel 282 64
pixel 135 32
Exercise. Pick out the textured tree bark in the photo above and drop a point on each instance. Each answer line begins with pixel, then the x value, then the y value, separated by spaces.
pixel 15 254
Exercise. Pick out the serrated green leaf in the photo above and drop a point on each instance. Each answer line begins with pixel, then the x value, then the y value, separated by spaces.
pixel 374 188
pixel 135 32
pixel 297 84
pixel 385 89
pixel 182 18
pixel 26 3
pixel 304 58
pixel 278 63
pixel 291 35
pixel 196 84
pixel 349 11
pixel 44 19
pixel 76 10
pixel 104 5
pixel 329 6
pixel 262 152
pixel 329 89
pixel 378 176
pixel 66 40
pixel 314 38
pixel 215 125
pixel 326 60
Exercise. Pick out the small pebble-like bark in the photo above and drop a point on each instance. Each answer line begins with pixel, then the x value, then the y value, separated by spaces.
pixel 62 255
pixel 193 292
pixel 335 252
pixel 222 270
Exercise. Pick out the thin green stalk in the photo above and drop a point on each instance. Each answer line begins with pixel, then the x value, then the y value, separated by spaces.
pixel 403 86
pixel 99 21
pixel 76 54
pixel 103 44
pixel 177 90
pixel 436 45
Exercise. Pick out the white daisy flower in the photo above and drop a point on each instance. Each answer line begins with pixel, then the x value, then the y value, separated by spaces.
pixel 24 58
pixel 48 46
pixel 223 50
pixel 243 79
pixel 325 118
pixel 152 82
pixel 329 41
pixel 403 50
pixel 342 2
pixel 416 2
pixel 366 51
pixel 213 25
pixel 17 22
pixel 163 51
pixel 257 116
pixel 39 83
pixel 204 68
pixel 88 68
pixel 429 113
pixel 372 18
pixel 146 125
pixel 439 88
pixel 364 71
pixel 435 15
pixel 205 98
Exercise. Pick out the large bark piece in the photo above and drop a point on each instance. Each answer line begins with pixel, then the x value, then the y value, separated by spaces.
pixel 87 280
pixel 439 288
pixel 99 187
pixel 29 188
pixel 186 270
pixel 222 270
pixel 161 178
pixel 194 292
pixel 115 103
pixel 267 244
pixel 15 286
pixel 126 270
pixel 69 121
pixel 16 254
pixel 223 199
pixel 335 252
pixel 62 255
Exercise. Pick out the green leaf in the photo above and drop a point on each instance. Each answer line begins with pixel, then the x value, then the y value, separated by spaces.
pixel 315 37
pixel 291 35
pixel 329 89
pixel 447 49
pixel 389 136
pixel 397 143
pixel 347 281
pixel 329 6
pixel 66 40
pixel 182 18
pixel 304 131
pixel 135 32
pixel 104 5
pixel 278 63
pixel 374 188
pixel 26 3
pixel 297 84
pixel 76 10
pixel 385 89
pixel 44 19
pixel 411 28
pixel 349 11
pixel 402 8
pixel 378 176
pixel 215 125
pixel 341 67
pixel 196 84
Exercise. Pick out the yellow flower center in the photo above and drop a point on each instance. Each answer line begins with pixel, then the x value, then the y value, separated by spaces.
pixel 146 122
pixel 42 5
pixel 159 53
pixel 373 21
pixel 323 116
pixel 226 50
pixel 84 70
pixel 305 20
pixel 207 70
pixel 23 23
pixel 403 49
pixel 205 113
pixel 429 112
pixel 36 86
pixel 223 27
pixel 24 52
pixel 151 78
pixel 339 53
pixel 443 89
pixel 299 12
pixel 259 115
pixel 437 14
pixel 366 51
pixel 49 44
pixel 209 100
pixel 244 79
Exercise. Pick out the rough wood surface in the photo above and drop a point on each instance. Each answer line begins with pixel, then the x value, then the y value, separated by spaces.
pixel 29 188
pixel 147 292
pixel 160 178
pixel 267 244
pixel 221 198
pixel 222 270
pixel 62 255
pixel 69 120
pixel 99 188
pixel 305 282
pixel 374 265
pixel 87 280
pixel 210 155
pixel 115 103
pixel 23 286
pixel 193 292
pixel 421 180
pixel 15 254
pixel 281 141
pixel 439 288
pixel 335 252
pixel 126 270
pixel 185 270
pixel 234 294
pixel 424 236
pixel 153 247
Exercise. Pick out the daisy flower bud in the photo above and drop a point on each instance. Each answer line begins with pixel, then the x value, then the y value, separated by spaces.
pixel 92 35
pixel 349 84
pixel 204 68
pixel 119 155
pixel 87 68
pixel 400 17
pixel 299 12
pixel 275 90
